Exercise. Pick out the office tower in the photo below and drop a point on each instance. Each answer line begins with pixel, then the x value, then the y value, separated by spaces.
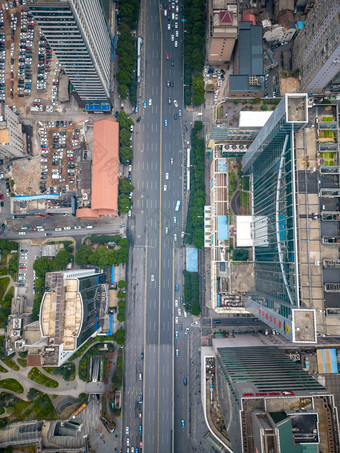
pixel 222 33
pixel 316 50
pixel 12 142
pixel 80 37
pixel 271 405
pixel 294 169
pixel 72 309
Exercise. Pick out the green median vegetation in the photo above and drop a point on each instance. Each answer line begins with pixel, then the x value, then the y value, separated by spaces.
pixel 124 189
pixel 40 378
pixel 193 52
pixel 195 221
pixel 191 293
pixel 125 145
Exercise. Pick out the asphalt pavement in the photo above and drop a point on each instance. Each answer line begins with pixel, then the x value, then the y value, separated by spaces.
pixel 154 230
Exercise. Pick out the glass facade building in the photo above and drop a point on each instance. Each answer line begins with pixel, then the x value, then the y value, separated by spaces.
pixel 270 161
pixel 78 32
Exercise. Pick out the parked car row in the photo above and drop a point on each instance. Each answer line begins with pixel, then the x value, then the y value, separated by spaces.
pixel 25 56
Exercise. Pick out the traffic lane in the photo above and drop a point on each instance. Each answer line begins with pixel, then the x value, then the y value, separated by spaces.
pixel 165 397
pixel 55 234
pixel 150 398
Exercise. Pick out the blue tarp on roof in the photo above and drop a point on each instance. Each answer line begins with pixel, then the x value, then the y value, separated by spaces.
pixel 299 24
pixel 112 275
pixel 111 325
pixel 43 196
pixel 222 228
pixel 192 259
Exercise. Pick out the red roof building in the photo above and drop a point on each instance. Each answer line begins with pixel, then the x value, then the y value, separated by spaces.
pixel 105 165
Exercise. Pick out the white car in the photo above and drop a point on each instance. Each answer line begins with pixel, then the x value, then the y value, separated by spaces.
pixel 172 37
pixel 165 187
pixel 22 232
pixel 179 312
pixel 166 230
pixel 150 101
pixel 166 174
pixel 169 26
pixel 176 320
pixel 67 228
pixel 176 303
pixel 127 430
pixel 176 33
pixel 57 229
pixel 176 43
pixel 176 103
pixel 175 219
pixel 186 330
pixel 152 278
pixel 175 237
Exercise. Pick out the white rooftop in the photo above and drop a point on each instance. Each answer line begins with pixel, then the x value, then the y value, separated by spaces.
pixel 243 231
pixel 253 119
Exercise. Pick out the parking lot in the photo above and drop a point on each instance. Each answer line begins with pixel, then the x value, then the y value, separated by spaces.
pixel 61 147
pixel 28 69
pixel 26 276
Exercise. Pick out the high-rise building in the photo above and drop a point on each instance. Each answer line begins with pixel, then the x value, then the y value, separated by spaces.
pixel 79 35
pixel 294 168
pixel 12 143
pixel 270 404
pixel 223 31
pixel 316 50
pixel 72 309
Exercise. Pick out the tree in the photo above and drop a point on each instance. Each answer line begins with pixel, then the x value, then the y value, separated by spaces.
pixel 62 259
pixel 41 266
pixel 236 101
pixel 124 137
pixel 125 122
pixel 264 107
pixel 124 203
pixel 121 318
pixel 121 284
pixel 198 91
pixel 198 125
pixel 82 256
pixel 123 242
pixel 125 154
pixel 123 91
pixel 120 336
pixel 125 186
pixel 121 295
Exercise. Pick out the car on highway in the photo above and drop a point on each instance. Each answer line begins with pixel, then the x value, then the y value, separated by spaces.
pixel 67 228
pixel 175 219
pixel 176 334
pixel 186 330
pixel 179 312
pixel 169 100
pixel 175 103
pixel 176 303
pixel 177 352
pixel 22 232
pixel 175 116
pixel 140 429
pixel 142 355
pixel 138 119
pixel 77 227
pixel 127 441
pixel 176 320
pixel 165 123
pixel 166 175
pixel 150 101
pixel 145 104
pixel 172 63
pixel 57 229
pixel 194 323
pixel 171 161
pixel 168 56
pixel 183 423
pixel 152 278
pixel 185 381
pixel 176 43
pixel 127 430
pixel 172 37
pixel 175 237
pixel 166 230
pixel 165 187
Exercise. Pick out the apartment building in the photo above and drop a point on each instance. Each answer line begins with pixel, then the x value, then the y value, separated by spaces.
pixel 223 30
pixel 316 50
pixel 12 143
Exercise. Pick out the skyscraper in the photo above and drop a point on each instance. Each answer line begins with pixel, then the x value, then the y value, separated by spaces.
pixel 270 405
pixel 316 50
pixel 295 219
pixel 79 35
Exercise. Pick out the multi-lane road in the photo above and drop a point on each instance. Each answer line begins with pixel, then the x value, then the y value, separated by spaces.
pixel 156 258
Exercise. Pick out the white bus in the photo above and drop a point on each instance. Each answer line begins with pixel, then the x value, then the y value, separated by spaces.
pixel 178 205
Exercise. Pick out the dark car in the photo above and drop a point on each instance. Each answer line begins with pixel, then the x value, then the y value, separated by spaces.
pixel 185 381
pixel 138 119
pixel 116 114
